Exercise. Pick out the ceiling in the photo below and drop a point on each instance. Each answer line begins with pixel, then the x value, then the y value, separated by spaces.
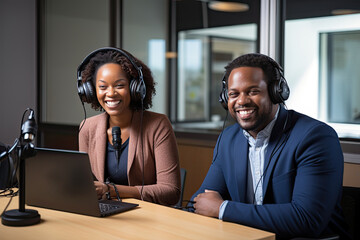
pixel 191 14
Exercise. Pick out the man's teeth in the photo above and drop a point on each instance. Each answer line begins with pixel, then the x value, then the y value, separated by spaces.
pixel 245 112
pixel 112 103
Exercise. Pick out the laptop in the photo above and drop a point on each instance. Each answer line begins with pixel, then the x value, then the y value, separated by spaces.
pixel 63 180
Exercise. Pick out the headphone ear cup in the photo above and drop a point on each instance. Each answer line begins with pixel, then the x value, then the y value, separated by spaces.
pixel 132 87
pixel 273 93
pixel 141 90
pixel 137 90
pixel 223 98
pixel 284 90
pixel 86 92
pixel 279 91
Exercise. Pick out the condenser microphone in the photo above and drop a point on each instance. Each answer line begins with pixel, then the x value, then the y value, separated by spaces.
pixel 29 128
pixel 116 135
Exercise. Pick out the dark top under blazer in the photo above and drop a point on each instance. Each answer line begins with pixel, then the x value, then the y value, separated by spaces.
pixel 152 156
pixel 302 184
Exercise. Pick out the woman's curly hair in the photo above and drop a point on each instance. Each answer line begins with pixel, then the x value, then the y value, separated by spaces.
pixel 111 55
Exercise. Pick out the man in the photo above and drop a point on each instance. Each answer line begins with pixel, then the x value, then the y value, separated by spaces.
pixel 275 169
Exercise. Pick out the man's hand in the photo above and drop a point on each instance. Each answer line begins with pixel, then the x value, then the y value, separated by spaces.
pixel 208 203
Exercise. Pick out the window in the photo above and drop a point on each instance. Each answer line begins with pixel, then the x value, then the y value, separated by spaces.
pixel 340 76
pixel 202 58
pixel 321 53
pixel 70 31
pixel 207 40
pixel 144 34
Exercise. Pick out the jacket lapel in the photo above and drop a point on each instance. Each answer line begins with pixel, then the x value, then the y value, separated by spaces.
pixel 134 138
pixel 101 139
pixel 241 158
pixel 276 139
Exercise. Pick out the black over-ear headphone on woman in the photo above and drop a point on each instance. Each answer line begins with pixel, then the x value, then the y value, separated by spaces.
pixel 87 91
pixel 279 90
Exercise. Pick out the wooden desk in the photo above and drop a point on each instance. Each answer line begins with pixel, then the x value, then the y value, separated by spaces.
pixel 148 221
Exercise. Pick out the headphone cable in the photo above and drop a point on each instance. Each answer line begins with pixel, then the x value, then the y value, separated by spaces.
pixel 277 147
pixel 142 150
pixel 223 127
pixel 84 116
pixel 7 205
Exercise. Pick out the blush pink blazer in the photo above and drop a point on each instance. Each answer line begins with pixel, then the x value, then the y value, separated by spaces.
pixel 157 149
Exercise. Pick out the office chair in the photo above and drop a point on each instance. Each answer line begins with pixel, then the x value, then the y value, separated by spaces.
pixel 351 208
pixel 350 204
pixel 183 177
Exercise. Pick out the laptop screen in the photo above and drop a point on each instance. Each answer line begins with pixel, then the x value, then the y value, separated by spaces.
pixel 61 180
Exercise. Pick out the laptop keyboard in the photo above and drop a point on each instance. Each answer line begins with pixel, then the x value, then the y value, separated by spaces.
pixel 105 207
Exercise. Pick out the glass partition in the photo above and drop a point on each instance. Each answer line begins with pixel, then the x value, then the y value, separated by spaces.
pixel 70 30
pixel 321 55
pixel 340 76
pixel 207 40
pixel 203 54
pixel 68 33
pixel 144 34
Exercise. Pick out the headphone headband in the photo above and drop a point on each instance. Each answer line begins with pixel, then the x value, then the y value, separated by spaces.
pixel 93 53
pixel 86 89
pixel 278 89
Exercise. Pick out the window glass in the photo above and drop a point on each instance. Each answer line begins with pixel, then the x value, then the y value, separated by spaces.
pixel 206 42
pixel 339 76
pixel 224 50
pixel 321 52
pixel 192 70
pixel 69 32
pixel 144 34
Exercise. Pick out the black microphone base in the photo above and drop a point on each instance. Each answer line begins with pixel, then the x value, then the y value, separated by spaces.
pixel 20 218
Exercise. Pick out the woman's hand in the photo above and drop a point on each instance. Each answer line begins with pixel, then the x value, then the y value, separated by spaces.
pixel 101 189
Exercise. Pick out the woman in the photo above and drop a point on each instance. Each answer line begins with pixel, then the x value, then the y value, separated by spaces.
pixel 146 166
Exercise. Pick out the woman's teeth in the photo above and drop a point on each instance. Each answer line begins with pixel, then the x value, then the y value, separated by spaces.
pixel 112 103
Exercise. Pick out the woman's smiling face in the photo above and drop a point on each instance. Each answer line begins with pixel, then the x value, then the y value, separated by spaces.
pixel 112 89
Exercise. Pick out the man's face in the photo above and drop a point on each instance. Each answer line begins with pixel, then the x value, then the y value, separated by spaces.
pixel 249 101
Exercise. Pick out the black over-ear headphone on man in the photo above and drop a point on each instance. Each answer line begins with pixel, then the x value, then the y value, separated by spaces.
pixel 279 90
pixel 87 91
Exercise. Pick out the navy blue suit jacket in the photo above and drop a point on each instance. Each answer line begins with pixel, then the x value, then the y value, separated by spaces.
pixel 302 180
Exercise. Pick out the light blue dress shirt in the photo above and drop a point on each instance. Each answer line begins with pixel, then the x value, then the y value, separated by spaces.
pixel 257 152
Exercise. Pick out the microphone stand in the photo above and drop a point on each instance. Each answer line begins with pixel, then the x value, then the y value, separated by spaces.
pixel 22 216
